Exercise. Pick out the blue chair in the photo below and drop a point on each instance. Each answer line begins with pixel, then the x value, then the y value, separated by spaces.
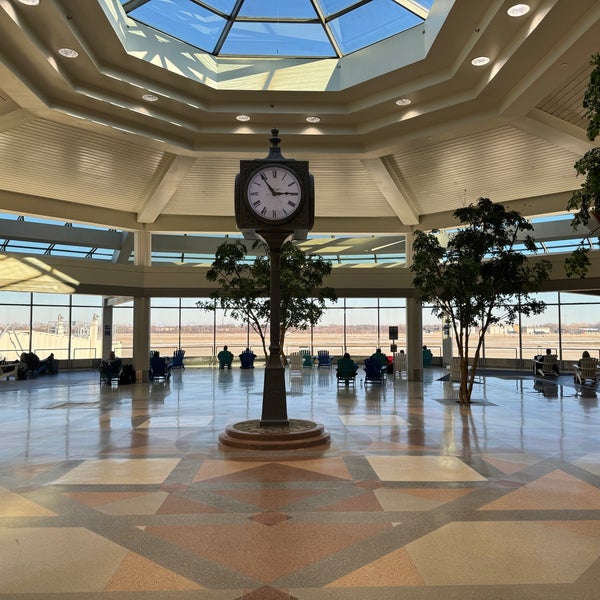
pixel 110 371
pixel 324 358
pixel 159 370
pixel 374 371
pixel 247 359
pixel 177 362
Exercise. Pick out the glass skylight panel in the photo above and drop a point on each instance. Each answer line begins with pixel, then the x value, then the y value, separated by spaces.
pixel 331 7
pixel 224 6
pixel 182 19
pixel 287 28
pixel 371 23
pixel 277 39
pixel 278 9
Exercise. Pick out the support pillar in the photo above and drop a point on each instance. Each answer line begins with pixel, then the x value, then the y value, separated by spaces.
pixel 142 257
pixel 107 328
pixel 414 325
pixel 414 339
pixel 141 338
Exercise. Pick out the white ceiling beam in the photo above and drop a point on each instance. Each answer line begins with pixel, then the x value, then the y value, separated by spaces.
pixel 164 191
pixel 392 189
pixel 555 131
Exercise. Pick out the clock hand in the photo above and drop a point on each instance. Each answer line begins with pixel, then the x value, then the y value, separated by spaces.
pixel 263 177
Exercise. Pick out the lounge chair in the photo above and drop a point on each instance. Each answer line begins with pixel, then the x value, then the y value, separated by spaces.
pixel 346 374
pixel 159 370
pixel 324 358
pixel 247 359
pixel 177 362
pixel 295 361
pixel 111 372
pixel 374 371
pixel 586 370
pixel 546 366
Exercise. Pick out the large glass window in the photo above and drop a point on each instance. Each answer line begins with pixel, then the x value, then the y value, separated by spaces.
pixel 71 327
pixel 15 319
pixel 122 330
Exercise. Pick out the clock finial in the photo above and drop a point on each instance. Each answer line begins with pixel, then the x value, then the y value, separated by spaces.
pixel 275 150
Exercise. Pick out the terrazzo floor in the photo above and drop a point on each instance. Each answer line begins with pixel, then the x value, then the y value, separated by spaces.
pixel 122 492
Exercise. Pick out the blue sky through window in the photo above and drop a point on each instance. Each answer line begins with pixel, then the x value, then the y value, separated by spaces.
pixel 290 28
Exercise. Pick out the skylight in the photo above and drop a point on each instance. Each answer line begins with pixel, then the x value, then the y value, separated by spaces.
pixel 279 28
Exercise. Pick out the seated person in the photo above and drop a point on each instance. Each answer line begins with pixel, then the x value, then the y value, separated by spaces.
pixel 111 367
pixel 380 358
pixel 159 367
pixel 585 354
pixel 31 361
pixel 427 356
pixel 346 367
pixel 225 358
pixel 51 364
pixel 247 359
pixel 539 358
pixel 48 365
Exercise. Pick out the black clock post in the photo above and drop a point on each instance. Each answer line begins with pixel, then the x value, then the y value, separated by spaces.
pixel 274 201
pixel 274 407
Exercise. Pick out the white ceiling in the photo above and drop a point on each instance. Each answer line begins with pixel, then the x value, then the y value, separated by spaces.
pixel 77 142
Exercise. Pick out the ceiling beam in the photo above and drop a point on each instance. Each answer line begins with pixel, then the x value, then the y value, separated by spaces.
pixel 158 200
pixel 554 130
pixel 392 189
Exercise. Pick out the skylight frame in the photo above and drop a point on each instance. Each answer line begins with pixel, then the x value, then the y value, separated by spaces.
pixel 226 27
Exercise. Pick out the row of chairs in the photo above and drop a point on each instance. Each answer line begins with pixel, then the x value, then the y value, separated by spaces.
pixel 303 358
pixel 114 372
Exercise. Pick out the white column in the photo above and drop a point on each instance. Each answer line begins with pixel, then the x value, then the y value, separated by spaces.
pixel 142 257
pixel 141 338
pixel 107 328
pixel 414 339
pixel 142 248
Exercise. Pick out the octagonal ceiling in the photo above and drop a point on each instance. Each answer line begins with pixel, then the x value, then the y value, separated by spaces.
pixel 137 130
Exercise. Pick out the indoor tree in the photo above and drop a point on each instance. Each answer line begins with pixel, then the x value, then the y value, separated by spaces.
pixel 586 200
pixel 244 287
pixel 480 278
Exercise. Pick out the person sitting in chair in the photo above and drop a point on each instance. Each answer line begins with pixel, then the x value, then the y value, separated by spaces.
pixel 539 358
pixel 379 357
pixel 111 367
pixel 247 359
pixel 427 356
pixel 50 364
pixel 346 368
pixel 225 358
pixel 585 354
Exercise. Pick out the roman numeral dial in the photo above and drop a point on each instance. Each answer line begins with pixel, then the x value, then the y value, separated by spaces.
pixel 274 193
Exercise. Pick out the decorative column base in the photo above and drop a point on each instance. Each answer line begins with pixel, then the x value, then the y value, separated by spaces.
pixel 252 436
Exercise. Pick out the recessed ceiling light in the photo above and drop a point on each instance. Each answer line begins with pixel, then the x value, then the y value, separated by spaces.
pixel 313 119
pixel 243 118
pixel 149 97
pixel 30 2
pixel 518 10
pixel 68 52
pixel 403 101
pixel 480 61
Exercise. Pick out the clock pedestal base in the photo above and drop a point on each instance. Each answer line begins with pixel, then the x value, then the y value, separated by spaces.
pixel 250 435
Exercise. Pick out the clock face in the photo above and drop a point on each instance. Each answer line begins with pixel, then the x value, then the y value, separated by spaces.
pixel 274 193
